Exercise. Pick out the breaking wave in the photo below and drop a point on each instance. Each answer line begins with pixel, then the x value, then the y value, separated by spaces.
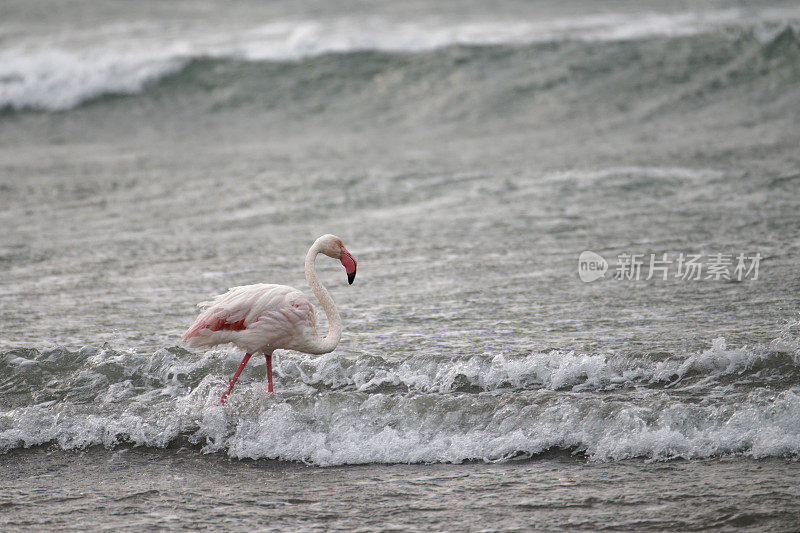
pixel 331 411
pixel 58 75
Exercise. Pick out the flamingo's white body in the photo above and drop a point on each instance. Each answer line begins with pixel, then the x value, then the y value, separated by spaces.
pixel 263 318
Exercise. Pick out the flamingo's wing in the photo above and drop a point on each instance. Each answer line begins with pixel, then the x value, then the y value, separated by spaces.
pixel 254 317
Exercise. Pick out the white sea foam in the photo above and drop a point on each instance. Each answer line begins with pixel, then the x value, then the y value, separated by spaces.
pixel 335 428
pixel 52 78
pixel 59 72
pixel 555 370
pixel 332 411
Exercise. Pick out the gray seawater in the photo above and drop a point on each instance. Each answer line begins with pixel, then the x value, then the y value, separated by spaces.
pixel 152 157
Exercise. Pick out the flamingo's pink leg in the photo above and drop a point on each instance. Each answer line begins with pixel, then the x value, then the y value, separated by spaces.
pixel 225 394
pixel 269 371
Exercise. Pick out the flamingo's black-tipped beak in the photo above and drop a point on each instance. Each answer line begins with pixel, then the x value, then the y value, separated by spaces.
pixel 349 264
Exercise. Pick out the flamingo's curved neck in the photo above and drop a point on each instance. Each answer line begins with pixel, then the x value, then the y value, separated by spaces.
pixel 318 345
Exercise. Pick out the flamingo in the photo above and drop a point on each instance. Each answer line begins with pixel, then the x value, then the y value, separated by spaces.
pixel 262 318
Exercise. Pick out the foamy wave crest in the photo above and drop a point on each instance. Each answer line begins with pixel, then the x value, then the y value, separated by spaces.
pixel 57 73
pixel 57 79
pixel 356 428
pixel 554 370
pixel 332 411
pixel 379 428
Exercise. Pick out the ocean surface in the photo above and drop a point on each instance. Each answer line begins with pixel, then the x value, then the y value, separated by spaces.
pixel 153 155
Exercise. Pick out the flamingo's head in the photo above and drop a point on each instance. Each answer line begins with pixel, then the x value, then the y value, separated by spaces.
pixel 332 246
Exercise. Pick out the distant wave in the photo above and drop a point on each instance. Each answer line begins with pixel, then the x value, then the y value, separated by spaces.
pixel 61 74
pixel 340 411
